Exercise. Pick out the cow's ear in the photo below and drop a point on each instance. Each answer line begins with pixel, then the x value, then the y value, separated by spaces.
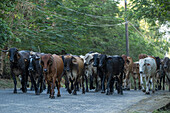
pixel 51 60
pixel 18 56
pixel 74 60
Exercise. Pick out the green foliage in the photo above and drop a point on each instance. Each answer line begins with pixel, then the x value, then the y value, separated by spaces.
pixel 5 33
pixel 77 27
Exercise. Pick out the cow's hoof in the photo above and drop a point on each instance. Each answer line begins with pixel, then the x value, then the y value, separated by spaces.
pixel 135 88
pixel 83 92
pixel 52 97
pixel 147 93
pixel 103 92
pixel 58 95
pixel 24 91
pixel 15 91
pixel 74 93
pixel 143 90
pixel 153 91
pixel 69 91
pixel 87 90
pixel 108 93
pixel 96 90
pixel 128 89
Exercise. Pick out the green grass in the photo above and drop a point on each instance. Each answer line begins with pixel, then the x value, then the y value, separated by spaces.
pixel 8 83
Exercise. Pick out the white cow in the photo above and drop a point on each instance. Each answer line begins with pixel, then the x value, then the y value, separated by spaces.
pixel 147 69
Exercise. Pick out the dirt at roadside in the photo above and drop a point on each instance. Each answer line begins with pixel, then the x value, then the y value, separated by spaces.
pixel 150 104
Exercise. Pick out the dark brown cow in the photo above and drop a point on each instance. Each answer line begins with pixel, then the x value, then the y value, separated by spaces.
pixel 136 75
pixel 53 69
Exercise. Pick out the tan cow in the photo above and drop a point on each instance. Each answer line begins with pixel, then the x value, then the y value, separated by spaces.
pixel 128 71
pixel 136 75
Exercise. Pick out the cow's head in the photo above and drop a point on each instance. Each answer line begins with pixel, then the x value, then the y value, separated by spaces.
pixel 69 61
pixel 102 60
pixel 135 68
pixel 143 65
pixel 13 55
pixel 32 62
pixel 96 60
pixel 46 62
pixel 166 63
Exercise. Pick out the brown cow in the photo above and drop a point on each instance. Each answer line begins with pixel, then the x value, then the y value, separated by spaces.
pixel 142 56
pixel 53 69
pixel 136 74
pixel 74 70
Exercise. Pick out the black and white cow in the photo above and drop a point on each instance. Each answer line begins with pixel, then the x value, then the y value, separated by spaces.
pixel 35 72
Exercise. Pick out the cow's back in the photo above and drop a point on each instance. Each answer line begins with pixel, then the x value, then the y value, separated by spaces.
pixel 59 64
pixel 80 64
pixel 152 62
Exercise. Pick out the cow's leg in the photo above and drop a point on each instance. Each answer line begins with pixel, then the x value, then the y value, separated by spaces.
pixel 24 83
pixel 49 87
pixel 34 83
pixel 159 87
pixel 82 82
pixel 127 81
pixel 141 80
pixel 134 79
pixel 112 86
pixel 40 82
pixel 152 84
pixel 15 82
pixel 53 87
pixel 103 84
pixel 139 85
pixel 87 90
pixel 108 85
pixel 147 84
pixel 58 88
pixel 74 85
pixel 163 82
pixel 121 82
pixel 97 85
pixel 67 84
pixel 91 82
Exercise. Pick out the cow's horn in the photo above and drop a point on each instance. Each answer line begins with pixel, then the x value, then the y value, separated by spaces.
pixel 5 50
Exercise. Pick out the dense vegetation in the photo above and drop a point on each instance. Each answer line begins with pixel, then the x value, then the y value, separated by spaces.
pixel 80 26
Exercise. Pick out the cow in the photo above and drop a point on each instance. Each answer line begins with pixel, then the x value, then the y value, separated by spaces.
pixel 128 66
pixel 142 56
pixel 113 68
pixel 35 72
pixel 90 70
pixel 52 70
pixel 19 66
pixel 147 69
pixel 136 75
pixel 162 76
pixel 166 67
pixel 74 70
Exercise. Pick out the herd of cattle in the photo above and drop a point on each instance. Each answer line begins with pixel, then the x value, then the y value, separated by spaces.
pixel 107 72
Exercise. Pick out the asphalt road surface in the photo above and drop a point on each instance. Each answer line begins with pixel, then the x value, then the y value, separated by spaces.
pixel 91 102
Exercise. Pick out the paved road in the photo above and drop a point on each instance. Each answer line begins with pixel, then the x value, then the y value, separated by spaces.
pixel 90 102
